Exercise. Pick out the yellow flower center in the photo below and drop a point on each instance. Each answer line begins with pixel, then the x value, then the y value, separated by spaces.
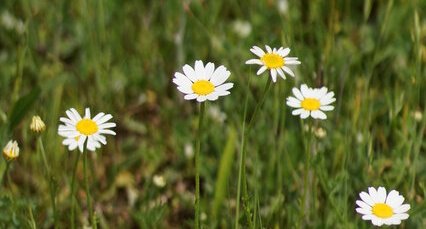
pixel 311 104
pixel 87 127
pixel 382 210
pixel 203 87
pixel 272 60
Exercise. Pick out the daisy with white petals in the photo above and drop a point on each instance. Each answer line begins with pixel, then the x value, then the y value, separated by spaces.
pixel 311 102
pixel 203 82
pixel 382 209
pixel 275 60
pixel 77 129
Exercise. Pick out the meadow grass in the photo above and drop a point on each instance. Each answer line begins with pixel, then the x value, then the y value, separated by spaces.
pixel 119 57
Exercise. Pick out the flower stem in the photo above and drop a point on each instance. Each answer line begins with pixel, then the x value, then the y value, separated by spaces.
pixel 307 186
pixel 88 197
pixel 6 170
pixel 50 180
pixel 242 181
pixel 73 191
pixel 197 165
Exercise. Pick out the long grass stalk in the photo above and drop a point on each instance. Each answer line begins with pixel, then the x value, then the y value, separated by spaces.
pixel 50 181
pixel 242 181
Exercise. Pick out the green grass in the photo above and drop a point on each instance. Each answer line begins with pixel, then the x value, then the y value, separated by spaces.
pixel 119 57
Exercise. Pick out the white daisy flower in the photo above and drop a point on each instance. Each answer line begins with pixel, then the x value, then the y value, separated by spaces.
pixel 311 102
pixel 77 130
pixel 381 208
pixel 203 82
pixel 275 60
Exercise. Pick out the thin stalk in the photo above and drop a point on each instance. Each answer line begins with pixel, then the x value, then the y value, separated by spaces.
pixel 88 197
pixel 197 164
pixel 242 181
pixel 241 163
pixel 50 181
pixel 305 200
pixel 73 191
pixel 5 171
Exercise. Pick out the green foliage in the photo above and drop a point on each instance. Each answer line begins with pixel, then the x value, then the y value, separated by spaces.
pixel 119 57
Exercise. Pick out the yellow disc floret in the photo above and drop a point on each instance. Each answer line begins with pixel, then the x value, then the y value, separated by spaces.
pixel 87 127
pixel 382 210
pixel 202 87
pixel 311 104
pixel 272 60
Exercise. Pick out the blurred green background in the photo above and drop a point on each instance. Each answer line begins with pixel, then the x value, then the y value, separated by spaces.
pixel 119 57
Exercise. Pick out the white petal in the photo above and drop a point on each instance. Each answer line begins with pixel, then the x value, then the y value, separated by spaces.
pixel 99 138
pixel 377 221
pixel 190 96
pixel 98 116
pixel 261 70
pixel 284 52
pixel 381 195
pixel 298 111
pixel 185 90
pixel 402 209
pixel 402 216
pixel 327 108
pixel 363 211
pixel 305 90
pixel 80 143
pixel 297 93
pixel 268 48
pixel 367 217
pixel 212 96
pixel 257 51
pixel 107 131
pixel 87 113
pixel 293 102
pixel 220 75
pixel 318 114
pixel 222 93
pixel 190 73
pixel 181 80
pixel 199 70
pixel 107 125
pixel 322 92
pixel 67 121
pixel 201 98
pixel 304 114
pixel 274 75
pixel 103 119
pixel 224 87
pixel 254 61
pixel 362 204
pixel 208 70
pixel 367 198
pixel 281 73
pixel 288 71
pixel 326 101
pixel 394 199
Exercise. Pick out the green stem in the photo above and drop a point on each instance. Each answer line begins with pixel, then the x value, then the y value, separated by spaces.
pixel 241 165
pixel 5 171
pixel 88 197
pixel 242 181
pixel 73 191
pixel 197 165
pixel 50 180
pixel 307 188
